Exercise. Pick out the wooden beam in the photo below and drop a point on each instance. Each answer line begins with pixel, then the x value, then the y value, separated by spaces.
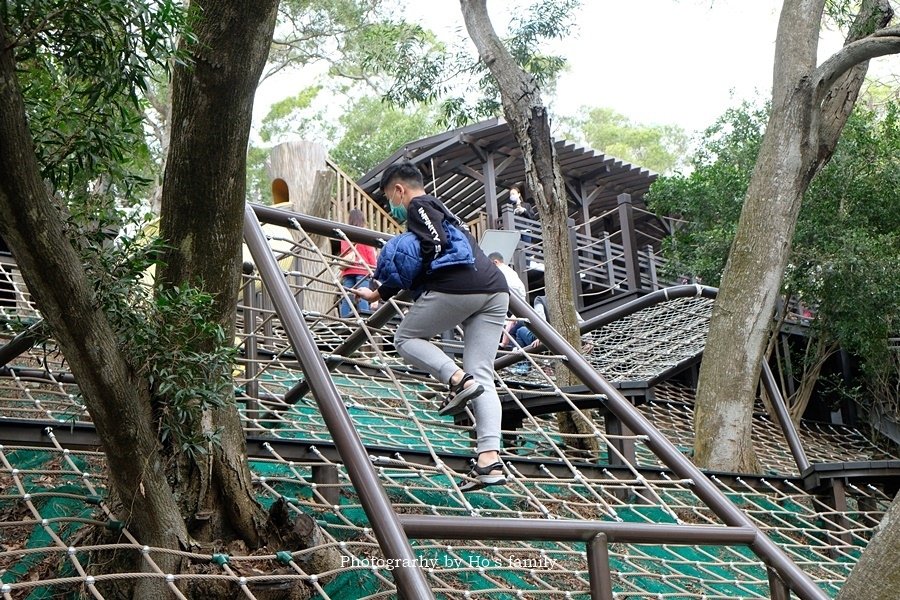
pixel 490 192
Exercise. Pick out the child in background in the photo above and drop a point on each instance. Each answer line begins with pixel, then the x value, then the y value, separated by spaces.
pixel 356 274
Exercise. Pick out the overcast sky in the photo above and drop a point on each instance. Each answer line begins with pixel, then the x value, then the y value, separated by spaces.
pixel 656 61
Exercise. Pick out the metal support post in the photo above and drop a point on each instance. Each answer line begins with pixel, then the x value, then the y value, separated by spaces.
pixel 777 589
pixel 784 419
pixel 598 568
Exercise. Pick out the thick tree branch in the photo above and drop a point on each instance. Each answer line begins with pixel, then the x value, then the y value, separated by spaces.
pixel 530 123
pixel 840 98
pixel 881 43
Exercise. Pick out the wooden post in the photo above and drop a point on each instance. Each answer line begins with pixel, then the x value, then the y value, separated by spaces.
pixel 629 242
pixel 576 266
pixel 607 258
pixel 519 261
pixel 327 477
pixel 490 192
pixel 836 498
pixel 651 267
pixel 301 177
pixel 585 208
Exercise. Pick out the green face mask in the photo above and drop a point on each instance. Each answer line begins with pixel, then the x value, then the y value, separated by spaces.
pixel 399 213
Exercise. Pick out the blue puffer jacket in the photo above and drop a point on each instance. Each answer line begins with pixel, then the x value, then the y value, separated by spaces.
pixel 400 261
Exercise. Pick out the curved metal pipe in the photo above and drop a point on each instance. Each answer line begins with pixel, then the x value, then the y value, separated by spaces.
pixel 629 308
pixel 688 291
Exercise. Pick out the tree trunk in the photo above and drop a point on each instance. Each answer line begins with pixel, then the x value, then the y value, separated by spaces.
pixel 812 367
pixel 117 398
pixel 202 218
pixel 530 123
pixel 809 109
pixel 877 574
pixel 201 221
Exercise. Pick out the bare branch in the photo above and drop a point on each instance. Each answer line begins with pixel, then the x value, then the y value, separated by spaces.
pixel 881 43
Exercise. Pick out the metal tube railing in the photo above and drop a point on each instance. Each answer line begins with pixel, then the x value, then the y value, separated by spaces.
pixel 687 291
pixel 784 419
pixel 771 554
pixel 285 218
pixel 22 342
pixel 386 312
pixel 409 578
pixel 595 534
pixel 562 530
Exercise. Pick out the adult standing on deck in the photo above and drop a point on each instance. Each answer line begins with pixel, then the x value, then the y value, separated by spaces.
pixel 474 296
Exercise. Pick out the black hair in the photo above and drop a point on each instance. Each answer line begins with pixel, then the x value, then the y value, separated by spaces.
pixel 405 171
pixel 495 256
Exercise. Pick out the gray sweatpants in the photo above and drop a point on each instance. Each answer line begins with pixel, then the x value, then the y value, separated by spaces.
pixel 482 317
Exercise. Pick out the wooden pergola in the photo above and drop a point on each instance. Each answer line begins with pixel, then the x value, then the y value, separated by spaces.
pixel 472 169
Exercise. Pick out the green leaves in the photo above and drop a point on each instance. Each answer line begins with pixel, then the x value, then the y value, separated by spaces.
pixel 284 116
pixel 846 245
pixel 374 129
pixel 176 342
pixel 541 21
pixel 474 95
pixel 170 337
pixel 710 198
pixel 660 148
pixel 82 67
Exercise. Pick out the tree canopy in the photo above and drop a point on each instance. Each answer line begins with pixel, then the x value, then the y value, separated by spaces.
pixel 846 239
pixel 660 148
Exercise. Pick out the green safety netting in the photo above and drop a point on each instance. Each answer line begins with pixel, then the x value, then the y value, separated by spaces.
pixel 51 495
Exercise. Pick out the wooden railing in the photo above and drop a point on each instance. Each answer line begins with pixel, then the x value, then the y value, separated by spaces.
pixel 478 226
pixel 601 263
pixel 348 196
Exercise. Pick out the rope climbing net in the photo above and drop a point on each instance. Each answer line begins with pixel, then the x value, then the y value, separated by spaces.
pixel 54 492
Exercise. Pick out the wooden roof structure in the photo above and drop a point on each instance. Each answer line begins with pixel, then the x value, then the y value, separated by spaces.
pixel 472 168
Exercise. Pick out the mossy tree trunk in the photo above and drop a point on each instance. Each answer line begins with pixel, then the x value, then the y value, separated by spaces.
pixel 117 397
pixel 166 499
pixel 810 106
pixel 201 218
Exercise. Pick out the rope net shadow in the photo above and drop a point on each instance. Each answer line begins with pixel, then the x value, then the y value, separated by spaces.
pixel 52 493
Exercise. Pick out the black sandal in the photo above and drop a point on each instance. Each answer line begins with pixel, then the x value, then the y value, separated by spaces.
pixel 460 396
pixel 483 477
